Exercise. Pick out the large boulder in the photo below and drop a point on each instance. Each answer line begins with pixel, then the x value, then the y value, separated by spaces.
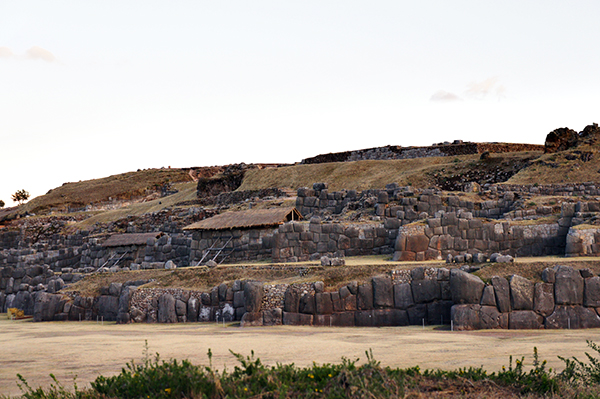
pixel 521 293
pixel 543 299
pixel 465 288
pixel 107 307
pixel 166 309
pixel 252 319
pixel 502 293
pixel 24 301
pixel 253 292
pixel 297 319
pixel 488 298
pixel 323 303
pixel 272 317
pixel 561 139
pixel 439 312
pixel 591 297
pixel 525 320
pixel 47 306
pixel 123 316
pixel 426 290
pixel 568 289
pixel 476 317
pixel 403 298
pixel 364 297
pixel 383 292
pixel 572 317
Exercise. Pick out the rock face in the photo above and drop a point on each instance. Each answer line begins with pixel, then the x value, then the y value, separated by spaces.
pixel 568 289
pixel 561 139
pixel 466 288
pixel 521 293
pixel 253 292
pixel 166 309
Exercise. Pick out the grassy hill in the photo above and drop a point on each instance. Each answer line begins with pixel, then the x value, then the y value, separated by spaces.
pixel 448 173
pixel 123 186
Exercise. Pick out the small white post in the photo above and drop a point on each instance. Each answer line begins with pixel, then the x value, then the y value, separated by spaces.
pixel 569 322
pixel 423 323
pixel 451 325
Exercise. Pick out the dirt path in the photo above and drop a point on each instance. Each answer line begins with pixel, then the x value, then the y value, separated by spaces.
pixel 89 349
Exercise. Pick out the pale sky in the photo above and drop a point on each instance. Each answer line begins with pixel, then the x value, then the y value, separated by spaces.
pixel 93 88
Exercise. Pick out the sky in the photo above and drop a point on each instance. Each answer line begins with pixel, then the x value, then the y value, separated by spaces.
pixel 94 88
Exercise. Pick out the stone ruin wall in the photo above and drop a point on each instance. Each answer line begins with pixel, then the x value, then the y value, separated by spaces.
pixel 565 298
pixel 438 150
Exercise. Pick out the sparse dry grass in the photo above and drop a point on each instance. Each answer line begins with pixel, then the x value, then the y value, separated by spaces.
pixel 187 192
pixel 123 186
pixel 555 168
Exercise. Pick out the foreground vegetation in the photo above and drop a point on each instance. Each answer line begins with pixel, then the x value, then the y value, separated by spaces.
pixel 156 378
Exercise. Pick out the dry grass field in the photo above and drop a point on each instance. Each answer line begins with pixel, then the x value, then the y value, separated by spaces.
pixel 88 349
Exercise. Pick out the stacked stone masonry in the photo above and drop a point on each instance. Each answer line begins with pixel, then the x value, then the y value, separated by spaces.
pixel 566 298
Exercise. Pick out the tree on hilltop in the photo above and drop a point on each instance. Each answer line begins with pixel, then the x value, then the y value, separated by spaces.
pixel 2 204
pixel 20 196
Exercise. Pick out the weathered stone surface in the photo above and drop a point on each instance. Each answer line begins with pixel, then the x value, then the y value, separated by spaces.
pixel 502 293
pixel 307 304
pixel 180 308
pixel 489 317
pixel 363 318
pixel 383 293
pixel 323 303
pixel 425 290
pixel 24 301
pixel 568 289
pixel 193 307
pixel 253 292
pixel 343 319
pixel 543 302
pixel 252 319
pixel 297 319
pixel 466 288
pixel 417 243
pixel 591 297
pixel 488 298
pixel 573 317
pixel 525 320
pixel 390 317
pixel 466 317
pixel 114 289
pixel 417 314
pixel 291 302
pixel 166 309
pixel 521 293
pixel 55 285
pixel 47 306
pixel 272 317
pixel 403 298
pixel 239 300
pixel 364 297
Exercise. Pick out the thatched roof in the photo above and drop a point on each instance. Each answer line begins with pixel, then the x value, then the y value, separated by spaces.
pixel 124 240
pixel 252 218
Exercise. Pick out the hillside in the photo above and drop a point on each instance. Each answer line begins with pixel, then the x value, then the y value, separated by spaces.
pixel 125 186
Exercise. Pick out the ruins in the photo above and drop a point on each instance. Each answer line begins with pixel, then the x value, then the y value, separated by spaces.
pixel 481 224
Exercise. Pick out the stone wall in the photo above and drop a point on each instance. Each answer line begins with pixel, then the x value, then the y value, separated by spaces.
pixel 566 298
pixel 436 150
pixel 301 241
pixel 245 244
pixel 453 234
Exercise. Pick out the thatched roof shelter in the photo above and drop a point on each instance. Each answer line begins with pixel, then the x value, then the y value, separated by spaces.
pixel 125 240
pixel 253 218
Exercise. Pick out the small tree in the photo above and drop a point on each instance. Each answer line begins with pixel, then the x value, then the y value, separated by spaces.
pixel 20 196
pixel 2 204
